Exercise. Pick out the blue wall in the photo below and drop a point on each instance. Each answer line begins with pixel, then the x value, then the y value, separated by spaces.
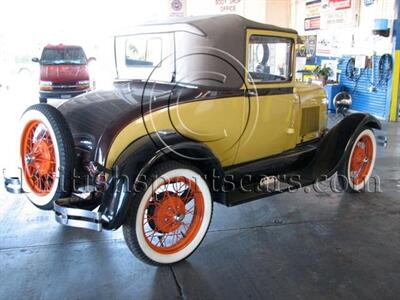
pixel 376 103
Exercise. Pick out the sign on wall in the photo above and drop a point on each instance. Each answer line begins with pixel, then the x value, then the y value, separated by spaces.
pixel 307 48
pixel 340 4
pixel 312 23
pixel 229 6
pixel 177 8
pixel 334 43
pixel 313 15
pixel 338 13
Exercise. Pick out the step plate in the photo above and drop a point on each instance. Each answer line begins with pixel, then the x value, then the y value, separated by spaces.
pixel 75 217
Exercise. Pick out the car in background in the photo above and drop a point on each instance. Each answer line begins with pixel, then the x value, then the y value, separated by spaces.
pixel 64 72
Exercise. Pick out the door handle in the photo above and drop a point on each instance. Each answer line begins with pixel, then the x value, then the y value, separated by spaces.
pixel 251 93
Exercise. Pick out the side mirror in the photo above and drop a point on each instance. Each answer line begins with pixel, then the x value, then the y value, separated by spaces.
pixel 91 59
pixel 35 59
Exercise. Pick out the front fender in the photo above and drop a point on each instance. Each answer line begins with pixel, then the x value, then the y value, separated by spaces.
pixel 140 156
pixel 336 144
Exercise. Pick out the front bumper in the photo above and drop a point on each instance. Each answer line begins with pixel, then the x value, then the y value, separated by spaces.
pixel 61 94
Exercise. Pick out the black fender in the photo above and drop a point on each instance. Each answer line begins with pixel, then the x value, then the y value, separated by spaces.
pixel 335 145
pixel 144 153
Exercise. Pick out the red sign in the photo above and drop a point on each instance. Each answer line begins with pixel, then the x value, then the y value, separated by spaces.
pixel 340 4
pixel 312 23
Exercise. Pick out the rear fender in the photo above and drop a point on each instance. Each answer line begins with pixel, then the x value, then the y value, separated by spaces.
pixel 139 157
pixel 336 144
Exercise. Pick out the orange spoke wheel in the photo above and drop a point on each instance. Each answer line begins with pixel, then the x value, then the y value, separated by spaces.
pixel 173 215
pixel 361 159
pixel 38 157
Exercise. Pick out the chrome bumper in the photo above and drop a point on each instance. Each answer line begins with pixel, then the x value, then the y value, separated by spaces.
pixel 75 217
pixel 13 185
pixel 382 140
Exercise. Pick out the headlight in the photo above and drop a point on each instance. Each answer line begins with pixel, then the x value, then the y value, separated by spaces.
pixel 84 82
pixel 46 83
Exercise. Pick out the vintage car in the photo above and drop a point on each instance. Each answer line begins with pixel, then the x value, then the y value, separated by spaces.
pixel 204 110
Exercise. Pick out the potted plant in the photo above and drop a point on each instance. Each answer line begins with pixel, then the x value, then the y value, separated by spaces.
pixel 322 73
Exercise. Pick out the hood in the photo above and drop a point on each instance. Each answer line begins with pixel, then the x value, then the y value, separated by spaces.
pixel 63 73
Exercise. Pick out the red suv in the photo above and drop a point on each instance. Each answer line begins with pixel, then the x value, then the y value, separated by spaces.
pixel 63 72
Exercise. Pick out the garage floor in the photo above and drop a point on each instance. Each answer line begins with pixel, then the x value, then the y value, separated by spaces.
pixel 301 245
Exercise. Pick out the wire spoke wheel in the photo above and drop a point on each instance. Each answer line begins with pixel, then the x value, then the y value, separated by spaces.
pixel 361 160
pixel 169 219
pixel 359 164
pixel 173 215
pixel 38 157
pixel 46 155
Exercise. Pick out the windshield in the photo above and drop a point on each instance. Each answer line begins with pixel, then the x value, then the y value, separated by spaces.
pixel 70 56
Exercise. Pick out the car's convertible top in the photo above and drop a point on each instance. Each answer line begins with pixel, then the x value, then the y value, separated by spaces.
pixel 212 44
pixel 207 24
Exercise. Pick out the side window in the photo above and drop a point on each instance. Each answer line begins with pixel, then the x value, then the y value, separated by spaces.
pixel 145 56
pixel 143 52
pixel 269 59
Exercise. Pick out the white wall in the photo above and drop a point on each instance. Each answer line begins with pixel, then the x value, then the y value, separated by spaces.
pixel 278 12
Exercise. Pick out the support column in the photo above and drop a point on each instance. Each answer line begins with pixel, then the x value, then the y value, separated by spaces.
pixel 394 106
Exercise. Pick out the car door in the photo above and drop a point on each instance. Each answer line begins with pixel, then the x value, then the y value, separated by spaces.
pixel 270 82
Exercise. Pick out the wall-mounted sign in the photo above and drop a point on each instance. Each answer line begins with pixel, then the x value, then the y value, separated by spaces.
pixel 313 15
pixel 229 6
pixel 338 13
pixel 177 8
pixel 340 4
pixel 307 48
pixel 334 43
pixel 313 9
pixel 312 23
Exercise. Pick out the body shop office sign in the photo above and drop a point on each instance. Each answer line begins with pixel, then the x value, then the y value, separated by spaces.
pixel 229 6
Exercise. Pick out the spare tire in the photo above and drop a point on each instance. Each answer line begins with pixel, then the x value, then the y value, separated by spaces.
pixel 46 155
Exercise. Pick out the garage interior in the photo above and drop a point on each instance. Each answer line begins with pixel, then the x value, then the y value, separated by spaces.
pixel 309 244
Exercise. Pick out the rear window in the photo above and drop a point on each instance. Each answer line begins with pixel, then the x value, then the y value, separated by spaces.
pixel 145 56
pixel 143 52
pixel 70 55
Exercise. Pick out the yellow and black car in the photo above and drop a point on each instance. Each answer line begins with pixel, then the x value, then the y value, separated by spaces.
pixel 203 110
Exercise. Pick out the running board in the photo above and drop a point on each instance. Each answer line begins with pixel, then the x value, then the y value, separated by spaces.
pixel 76 217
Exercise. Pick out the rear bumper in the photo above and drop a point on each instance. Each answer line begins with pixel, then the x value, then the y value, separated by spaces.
pixel 13 185
pixel 61 94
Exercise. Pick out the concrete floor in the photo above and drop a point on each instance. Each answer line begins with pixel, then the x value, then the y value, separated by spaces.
pixel 291 246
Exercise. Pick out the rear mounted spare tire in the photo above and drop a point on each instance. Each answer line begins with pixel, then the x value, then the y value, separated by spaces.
pixel 46 155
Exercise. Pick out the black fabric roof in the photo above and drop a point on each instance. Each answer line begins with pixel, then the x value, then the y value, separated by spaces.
pixel 217 22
